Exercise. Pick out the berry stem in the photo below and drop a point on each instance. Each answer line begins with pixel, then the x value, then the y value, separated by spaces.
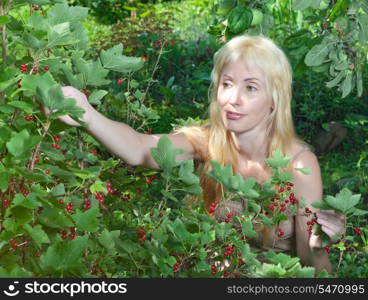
pixel 35 152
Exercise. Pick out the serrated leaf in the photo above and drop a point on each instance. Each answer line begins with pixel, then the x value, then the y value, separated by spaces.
pixel 113 59
pixel 91 72
pixel 54 218
pixel 96 96
pixel 343 201
pixel 98 186
pixel 60 35
pixel 278 160
pixel 22 142
pixel 64 257
pixel 37 234
pixel 28 108
pixel 87 220
pixel 186 173
pixel 28 202
pixel 321 205
pixel 247 228
pixel 165 154
pixel 61 13
pixel 107 239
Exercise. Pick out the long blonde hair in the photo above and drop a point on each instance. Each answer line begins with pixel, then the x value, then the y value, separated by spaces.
pixel 214 141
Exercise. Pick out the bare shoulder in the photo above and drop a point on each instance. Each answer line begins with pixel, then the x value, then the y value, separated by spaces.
pixel 307 185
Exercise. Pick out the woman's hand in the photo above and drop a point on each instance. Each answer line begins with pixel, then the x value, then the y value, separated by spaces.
pixel 332 223
pixel 81 101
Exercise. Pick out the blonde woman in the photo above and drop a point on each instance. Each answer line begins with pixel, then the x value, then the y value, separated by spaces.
pixel 250 117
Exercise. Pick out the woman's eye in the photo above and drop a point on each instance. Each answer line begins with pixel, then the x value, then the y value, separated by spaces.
pixel 225 84
pixel 251 88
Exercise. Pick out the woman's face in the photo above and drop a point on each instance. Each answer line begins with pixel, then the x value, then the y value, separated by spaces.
pixel 243 98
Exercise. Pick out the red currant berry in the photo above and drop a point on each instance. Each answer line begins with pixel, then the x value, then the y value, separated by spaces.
pixel 121 80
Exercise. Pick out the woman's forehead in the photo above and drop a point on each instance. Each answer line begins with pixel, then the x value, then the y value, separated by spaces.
pixel 241 68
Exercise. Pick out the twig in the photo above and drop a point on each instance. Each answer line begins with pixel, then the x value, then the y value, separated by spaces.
pixel 153 72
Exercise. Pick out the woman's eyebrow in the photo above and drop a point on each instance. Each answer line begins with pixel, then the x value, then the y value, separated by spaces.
pixel 252 79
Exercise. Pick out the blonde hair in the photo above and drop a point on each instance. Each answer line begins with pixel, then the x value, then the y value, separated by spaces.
pixel 214 141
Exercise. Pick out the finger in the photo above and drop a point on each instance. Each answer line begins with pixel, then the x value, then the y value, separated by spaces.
pixel 68 120
pixel 330 232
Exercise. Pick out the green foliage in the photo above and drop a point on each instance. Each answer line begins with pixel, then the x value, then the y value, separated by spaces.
pixel 74 211
pixel 326 36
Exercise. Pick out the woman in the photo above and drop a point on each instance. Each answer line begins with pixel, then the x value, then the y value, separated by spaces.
pixel 250 117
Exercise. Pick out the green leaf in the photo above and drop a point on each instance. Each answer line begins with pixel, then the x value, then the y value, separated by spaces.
pixel 37 234
pixel 347 85
pixel 54 218
pixel 22 142
pixel 186 173
pixel 62 13
pixel 363 27
pixel 98 186
pixel 64 257
pixel 240 19
pixel 29 202
pixel 343 201
pixel 113 59
pixel 60 35
pixel 165 154
pixel 87 220
pixel 236 184
pixel 16 272
pixel 107 239
pixel 4 177
pixel 225 6
pixel 96 96
pixel 247 228
pixel 305 171
pixel 58 190
pixel 317 55
pixel 4 20
pixel 336 80
pixel 301 4
pixel 31 82
pixel 281 258
pixel 92 72
pixel 278 160
pixel 208 237
pixel 321 205
pixel 28 108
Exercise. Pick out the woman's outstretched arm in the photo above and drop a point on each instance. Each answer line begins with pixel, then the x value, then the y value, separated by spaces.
pixel 119 138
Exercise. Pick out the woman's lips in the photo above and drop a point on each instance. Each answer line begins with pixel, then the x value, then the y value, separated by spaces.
pixel 233 115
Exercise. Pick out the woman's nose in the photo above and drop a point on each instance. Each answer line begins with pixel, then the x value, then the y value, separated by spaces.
pixel 235 97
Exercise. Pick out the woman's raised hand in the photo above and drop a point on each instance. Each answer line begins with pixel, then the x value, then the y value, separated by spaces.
pixel 332 223
pixel 81 101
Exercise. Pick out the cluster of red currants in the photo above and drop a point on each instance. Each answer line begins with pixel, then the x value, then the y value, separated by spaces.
pixel 150 179
pixel 213 207
pixel 310 223
pixel 176 267
pixel 64 234
pixel 141 234
pixel 69 207
pixel 229 250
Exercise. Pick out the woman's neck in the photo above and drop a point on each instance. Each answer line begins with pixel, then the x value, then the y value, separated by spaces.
pixel 252 145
